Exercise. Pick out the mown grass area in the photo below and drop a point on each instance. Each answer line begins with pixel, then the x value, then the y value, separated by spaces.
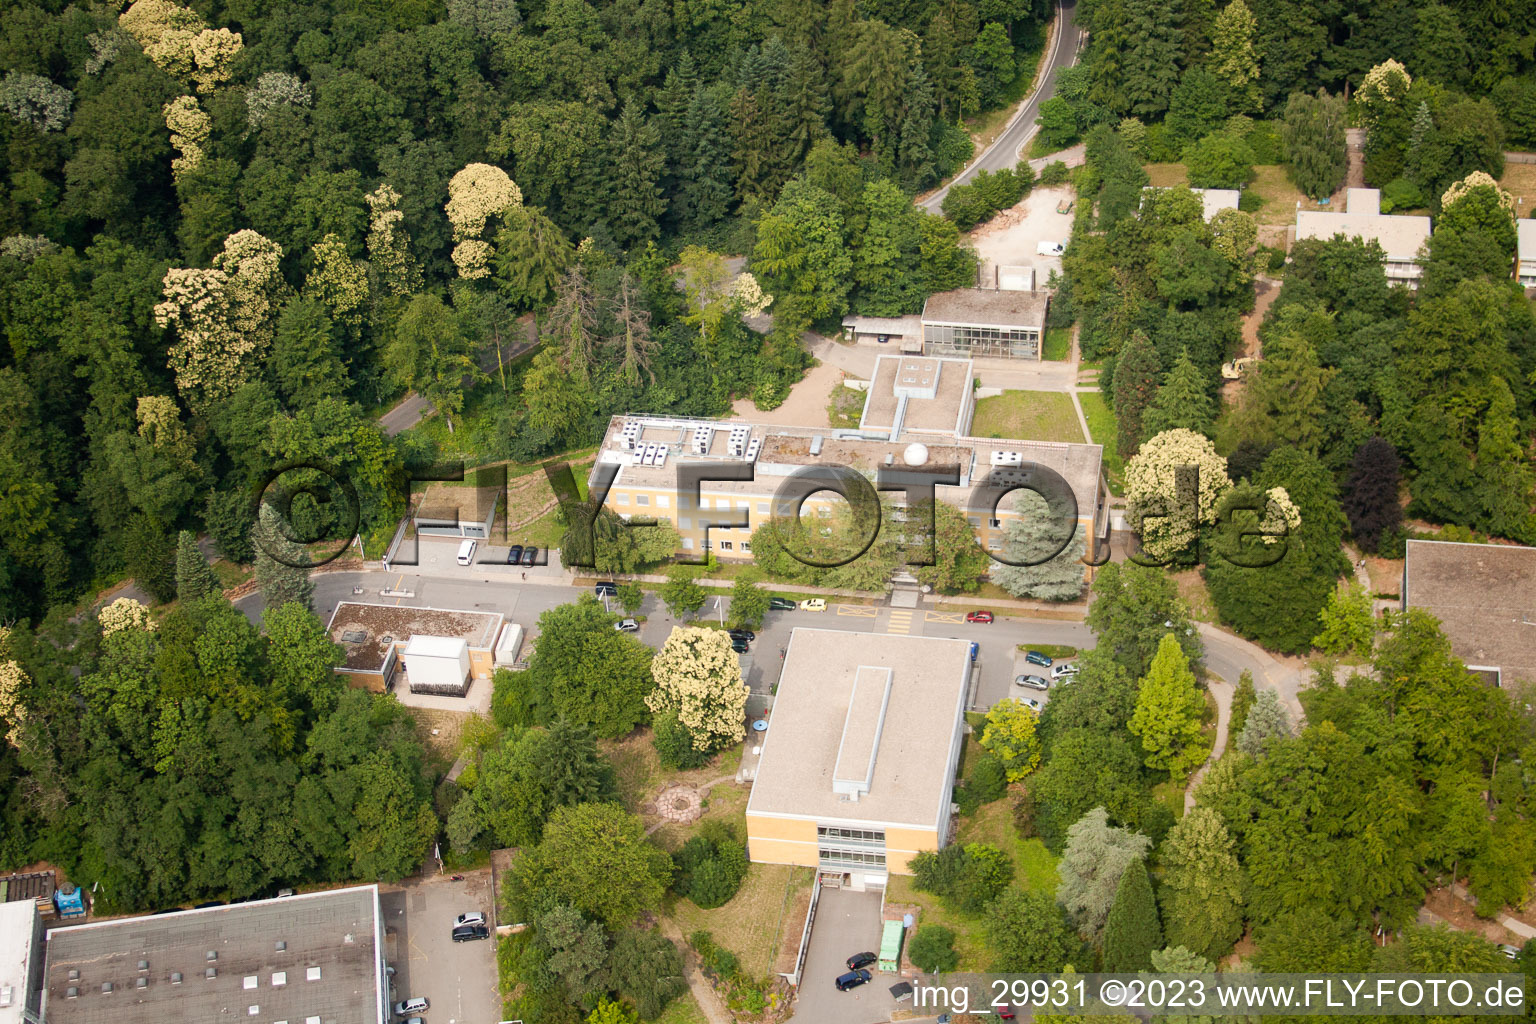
pixel 1057 651
pixel 1280 197
pixel 1170 795
pixel 1034 865
pixel 751 924
pixel 1105 431
pixel 1058 343
pixel 845 407
pixel 1029 416
pixel 1165 175
pixel 640 773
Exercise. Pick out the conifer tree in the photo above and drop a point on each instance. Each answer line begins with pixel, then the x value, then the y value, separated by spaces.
pixel 1137 372
pixel 1132 931
pixel 1234 59
pixel 194 576
pixel 1183 401
pixel 635 163
pixel 1168 712
pixel 282 565
pixel 1203 885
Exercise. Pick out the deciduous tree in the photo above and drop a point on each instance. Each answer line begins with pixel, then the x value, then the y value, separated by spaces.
pixel 698 681
pixel 1203 885
pixel 1009 736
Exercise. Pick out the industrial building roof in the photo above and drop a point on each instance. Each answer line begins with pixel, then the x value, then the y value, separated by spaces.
pixel 18 957
pixel 832 714
pixel 1485 598
pixel 309 959
pixel 985 307
pixel 1399 237
pixel 367 631
pixel 936 392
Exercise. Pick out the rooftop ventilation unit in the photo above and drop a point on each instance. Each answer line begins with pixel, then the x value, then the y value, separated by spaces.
pixel 1007 458
pixel 7 993
pixel 354 636
pixel 175 977
pixel 211 973
pixel 212 956
pixel 143 966
pixel 661 455
pixel 106 988
pixel 755 446
pixel 73 992
pixel 74 974
pixel 702 435
pixel 816 443
pixel 141 984
pixel 280 945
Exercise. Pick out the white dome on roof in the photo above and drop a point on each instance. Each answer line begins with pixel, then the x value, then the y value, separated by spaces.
pixel 915 455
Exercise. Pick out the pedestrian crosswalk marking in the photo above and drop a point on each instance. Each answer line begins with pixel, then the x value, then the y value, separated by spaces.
pixel 900 622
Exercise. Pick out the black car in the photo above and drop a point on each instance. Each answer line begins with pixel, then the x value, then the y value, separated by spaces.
pixel 738 645
pixel 861 960
pixel 470 932
pixel 781 604
pixel 605 588
pixel 853 979
pixel 742 634
pixel 530 555
pixel 514 554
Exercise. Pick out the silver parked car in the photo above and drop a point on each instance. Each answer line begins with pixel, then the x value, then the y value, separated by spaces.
pixel 1068 669
pixel 1032 682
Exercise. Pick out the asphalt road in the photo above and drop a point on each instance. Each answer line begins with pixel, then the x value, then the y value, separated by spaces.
pixel 1006 148
pixel 998 661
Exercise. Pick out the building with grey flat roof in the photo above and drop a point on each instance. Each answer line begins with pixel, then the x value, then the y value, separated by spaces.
pixel 21 965
pixel 1006 323
pixel 858 763
pixel 315 958
pixel 1485 598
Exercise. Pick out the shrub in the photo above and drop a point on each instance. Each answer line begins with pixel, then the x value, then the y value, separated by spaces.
pixel 969 876
pixel 988 780
pixel 674 745
pixel 710 867
pixel 1249 201
pixel 1401 194
pixel 933 949
pixel 1053 173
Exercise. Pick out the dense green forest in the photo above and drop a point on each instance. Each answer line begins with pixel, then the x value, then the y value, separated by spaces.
pixel 232 233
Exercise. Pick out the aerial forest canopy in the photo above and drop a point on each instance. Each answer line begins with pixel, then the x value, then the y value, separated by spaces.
pixel 233 233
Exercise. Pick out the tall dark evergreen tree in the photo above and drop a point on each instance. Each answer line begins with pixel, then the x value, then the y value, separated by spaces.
pixel 1183 401
pixel 1132 930
pixel 633 175
pixel 194 577
pixel 1137 373
pixel 1370 494
pixel 1152 56
pixel 705 195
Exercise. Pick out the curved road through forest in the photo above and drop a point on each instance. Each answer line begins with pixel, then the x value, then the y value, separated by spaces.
pixel 1004 151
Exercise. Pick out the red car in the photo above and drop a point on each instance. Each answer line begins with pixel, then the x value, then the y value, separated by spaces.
pixel 978 616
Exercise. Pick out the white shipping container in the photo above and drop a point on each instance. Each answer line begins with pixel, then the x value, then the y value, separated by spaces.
pixel 507 646
pixel 436 663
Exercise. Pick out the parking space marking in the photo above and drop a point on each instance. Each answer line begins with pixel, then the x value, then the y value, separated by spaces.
pixel 858 611
pixel 945 616
pixel 900 622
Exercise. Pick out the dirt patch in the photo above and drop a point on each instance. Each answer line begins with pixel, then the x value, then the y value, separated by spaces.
pixel 441 731
pixel 1009 239
pixel 1445 905
pixel 789 935
pixel 806 405
pixel 1386 574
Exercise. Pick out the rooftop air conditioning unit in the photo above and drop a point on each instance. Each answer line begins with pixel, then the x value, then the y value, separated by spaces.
pixel 1007 458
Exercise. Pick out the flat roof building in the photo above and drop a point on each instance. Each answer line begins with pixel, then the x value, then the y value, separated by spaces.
pixel 858 764
pixel 1212 200
pixel 1525 258
pixel 1485 598
pixel 21 961
pixel 1001 323
pixel 1400 237
pixel 917 416
pixel 374 637
pixel 315 958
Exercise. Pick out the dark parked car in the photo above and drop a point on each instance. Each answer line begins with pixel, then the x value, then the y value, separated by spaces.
pixel 470 932
pixel 605 588
pixel 1036 658
pixel 738 645
pixel 781 604
pixel 530 555
pixel 853 979
pixel 978 616
pixel 514 554
pixel 742 634
pixel 861 960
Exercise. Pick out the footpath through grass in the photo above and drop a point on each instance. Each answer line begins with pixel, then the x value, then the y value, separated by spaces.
pixel 1028 416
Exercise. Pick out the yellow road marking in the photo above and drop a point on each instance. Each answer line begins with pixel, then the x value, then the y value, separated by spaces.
pixel 398 580
pixel 858 611
pixel 900 622
pixel 945 616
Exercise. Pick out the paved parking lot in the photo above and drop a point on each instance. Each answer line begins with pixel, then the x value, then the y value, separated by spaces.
pixel 846 923
pixel 458 978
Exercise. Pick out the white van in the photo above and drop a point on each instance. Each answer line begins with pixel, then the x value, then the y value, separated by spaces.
pixel 466 552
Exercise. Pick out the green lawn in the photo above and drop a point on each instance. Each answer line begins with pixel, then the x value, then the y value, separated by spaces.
pixel 752 923
pixel 1058 343
pixel 1029 416
pixel 683 1010
pixel 1102 425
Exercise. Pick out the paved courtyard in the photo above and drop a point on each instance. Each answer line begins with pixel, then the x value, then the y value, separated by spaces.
pixel 458 978
pixel 846 923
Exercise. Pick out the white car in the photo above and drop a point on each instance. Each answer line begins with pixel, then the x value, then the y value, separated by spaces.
pixel 1030 703
pixel 1032 682
pixel 1069 669
pixel 1049 248
pixel 627 626
pixel 814 604
pixel 473 917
